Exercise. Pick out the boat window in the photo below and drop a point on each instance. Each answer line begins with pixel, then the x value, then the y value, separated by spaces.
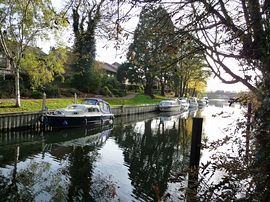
pixel 90 110
pixel 72 107
pixel 93 110
pixel 90 102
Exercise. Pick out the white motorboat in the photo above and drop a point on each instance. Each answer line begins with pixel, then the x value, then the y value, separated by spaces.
pixel 169 105
pixel 201 103
pixel 184 103
pixel 91 111
pixel 193 103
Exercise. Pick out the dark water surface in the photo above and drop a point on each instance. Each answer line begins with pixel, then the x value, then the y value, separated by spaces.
pixel 136 159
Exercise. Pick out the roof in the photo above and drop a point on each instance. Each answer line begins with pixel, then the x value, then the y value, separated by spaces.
pixel 109 67
pixel 95 99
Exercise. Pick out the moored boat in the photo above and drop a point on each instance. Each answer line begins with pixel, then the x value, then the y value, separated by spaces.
pixel 201 103
pixel 169 105
pixel 184 103
pixel 193 103
pixel 91 111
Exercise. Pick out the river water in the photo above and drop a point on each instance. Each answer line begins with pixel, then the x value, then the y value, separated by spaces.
pixel 136 159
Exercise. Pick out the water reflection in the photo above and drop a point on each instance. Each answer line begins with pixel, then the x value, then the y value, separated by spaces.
pixel 140 158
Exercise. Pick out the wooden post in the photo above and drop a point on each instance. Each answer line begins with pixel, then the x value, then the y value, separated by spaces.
pixel 75 98
pixel 196 142
pixel 43 108
pixel 194 159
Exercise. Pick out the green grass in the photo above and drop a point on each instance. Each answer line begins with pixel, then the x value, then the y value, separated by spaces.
pixel 137 100
pixel 8 105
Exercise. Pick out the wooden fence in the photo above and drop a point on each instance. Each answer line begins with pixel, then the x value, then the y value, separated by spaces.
pixel 21 120
pixel 26 120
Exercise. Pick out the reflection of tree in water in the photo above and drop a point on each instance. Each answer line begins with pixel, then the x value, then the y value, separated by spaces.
pixel 83 185
pixel 8 187
pixel 151 157
pixel 80 168
pixel 62 172
pixel 181 154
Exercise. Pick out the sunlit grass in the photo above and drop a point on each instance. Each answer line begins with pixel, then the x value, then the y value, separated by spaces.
pixel 8 105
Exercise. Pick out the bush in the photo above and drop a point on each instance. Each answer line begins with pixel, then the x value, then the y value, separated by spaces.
pixel 106 91
pixel 113 86
pixel 37 94
pixel 52 91
pixel 90 82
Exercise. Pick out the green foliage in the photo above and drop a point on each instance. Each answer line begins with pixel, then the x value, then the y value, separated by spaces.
pixel 106 91
pixel 52 90
pixel 85 78
pixel 110 86
pixel 128 71
pixel 152 51
pixel 37 94
pixel 90 82
pixel 42 69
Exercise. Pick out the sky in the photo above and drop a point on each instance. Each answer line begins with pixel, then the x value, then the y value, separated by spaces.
pixel 106 52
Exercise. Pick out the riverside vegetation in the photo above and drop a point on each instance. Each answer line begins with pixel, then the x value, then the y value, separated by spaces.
pixel 7 105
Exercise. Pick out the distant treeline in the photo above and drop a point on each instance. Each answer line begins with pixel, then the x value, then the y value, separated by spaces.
pixel 221 94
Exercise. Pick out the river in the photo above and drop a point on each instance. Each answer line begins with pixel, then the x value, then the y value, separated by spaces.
pixel 136 159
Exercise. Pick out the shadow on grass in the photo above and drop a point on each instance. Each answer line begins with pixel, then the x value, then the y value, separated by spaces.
pixel 8 106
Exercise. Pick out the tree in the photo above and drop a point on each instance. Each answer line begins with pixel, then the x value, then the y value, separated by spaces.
pixel 191 70
pixel 85 15
pixel 235 31
pixel 152 49
pixel 42 68
pixel 127 72
pixel 22 22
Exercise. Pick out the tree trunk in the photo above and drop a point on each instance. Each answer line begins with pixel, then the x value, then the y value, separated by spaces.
pixel 148 89
pixel 181 87
pixel 176 85
pixel 162 88
pixel 17 86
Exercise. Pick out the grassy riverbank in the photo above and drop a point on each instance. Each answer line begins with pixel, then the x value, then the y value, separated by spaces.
pixel 8 105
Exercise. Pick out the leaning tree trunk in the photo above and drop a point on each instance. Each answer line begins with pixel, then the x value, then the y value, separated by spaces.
pixel 17 86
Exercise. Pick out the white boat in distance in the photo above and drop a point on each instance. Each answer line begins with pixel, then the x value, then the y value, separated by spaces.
pixel 193 103
pixel 184 103
pixel 169 105
pixel 92 111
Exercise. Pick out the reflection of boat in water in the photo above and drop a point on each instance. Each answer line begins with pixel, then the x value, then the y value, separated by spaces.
pixel 169 105
pixel 184 115
pixel 92 111
pixel 90 140
pixel 75 134
pixel 192 113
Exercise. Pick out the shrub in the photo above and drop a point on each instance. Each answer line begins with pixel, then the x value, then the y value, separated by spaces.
pixel 106 91
pixel 52 91
pixel 37 94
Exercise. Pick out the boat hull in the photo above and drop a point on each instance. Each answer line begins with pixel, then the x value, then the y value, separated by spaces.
pixel 75 121
pixel 169 108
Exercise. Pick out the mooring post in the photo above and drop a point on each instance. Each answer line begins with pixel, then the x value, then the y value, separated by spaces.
pixel 75 98
pixel 43 108
pixel 194 158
